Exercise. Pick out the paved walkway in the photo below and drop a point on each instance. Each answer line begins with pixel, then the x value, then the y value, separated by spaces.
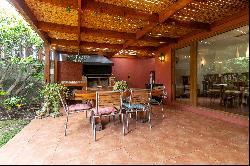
pixel 181 138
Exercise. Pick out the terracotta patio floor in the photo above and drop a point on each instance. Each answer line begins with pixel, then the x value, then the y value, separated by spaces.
pixel 181 138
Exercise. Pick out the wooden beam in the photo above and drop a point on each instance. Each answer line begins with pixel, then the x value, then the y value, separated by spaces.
pixel 67 43
pixel 189 25
pixel 47 64
pixel 129 42
pixel 62 3
pixel 50 27
pixel 163 16
pixel 79 22
pixel 193 71
pixel 238 19
pixel 28 15
pixel 55 66
pixel 145 30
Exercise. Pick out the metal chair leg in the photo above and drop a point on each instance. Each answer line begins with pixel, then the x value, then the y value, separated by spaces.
pixel 162 110
pixel 127 116
pixel 123 127
pixel 94 128
pixel 149 119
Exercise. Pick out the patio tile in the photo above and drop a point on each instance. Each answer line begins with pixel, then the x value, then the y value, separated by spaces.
pixel 181 138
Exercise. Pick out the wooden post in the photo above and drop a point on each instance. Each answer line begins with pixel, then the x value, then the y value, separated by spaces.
pixel 55 66
pixel 193 73
pixel 173 84
pixel 47 64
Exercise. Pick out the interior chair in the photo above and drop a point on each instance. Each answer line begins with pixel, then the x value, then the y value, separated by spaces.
pixel 108 103
pixel 139 101
pixel 158 95
pixel 186 86
pixel 74 108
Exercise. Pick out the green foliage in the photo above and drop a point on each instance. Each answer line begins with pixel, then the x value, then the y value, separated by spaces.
pixel 21 74
pixel 68 9
pixel 14 102
pixel 120 86
pixel 9 128
pixel 50 93
pixel 15 34
pixel 3 93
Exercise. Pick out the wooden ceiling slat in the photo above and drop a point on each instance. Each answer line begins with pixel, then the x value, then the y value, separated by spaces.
pixel 47 27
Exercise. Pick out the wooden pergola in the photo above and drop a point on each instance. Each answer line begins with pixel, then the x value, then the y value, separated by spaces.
pixel 128 28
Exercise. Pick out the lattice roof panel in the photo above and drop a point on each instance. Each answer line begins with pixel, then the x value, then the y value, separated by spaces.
pixel 103 21
pixel 209 11
pixel 149 6
pixel 146 43
pixel 168 30
pixel 67 49
pixel 96 49
pixel 100 39
pixel 66 36
pixel 54 14
pixel 138 53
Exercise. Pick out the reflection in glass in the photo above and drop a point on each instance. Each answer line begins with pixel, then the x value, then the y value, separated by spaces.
pixel 223 71
pixel 182 74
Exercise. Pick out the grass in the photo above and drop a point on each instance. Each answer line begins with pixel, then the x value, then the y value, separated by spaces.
pixel 9 128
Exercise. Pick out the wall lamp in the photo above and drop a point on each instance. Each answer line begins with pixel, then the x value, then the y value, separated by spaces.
pixel 161 57
pixel 202 62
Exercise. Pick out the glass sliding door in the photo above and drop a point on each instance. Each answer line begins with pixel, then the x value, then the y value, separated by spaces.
pixel 182 74
pixel 223 71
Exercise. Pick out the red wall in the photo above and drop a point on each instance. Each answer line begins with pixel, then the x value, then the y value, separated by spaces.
pixel 69 71
pixel 163 72
pixel 137 69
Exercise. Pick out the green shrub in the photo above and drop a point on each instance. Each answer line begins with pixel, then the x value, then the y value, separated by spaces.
pixel 51 104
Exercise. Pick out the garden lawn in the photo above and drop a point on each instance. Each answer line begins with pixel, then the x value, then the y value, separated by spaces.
pixel 9 128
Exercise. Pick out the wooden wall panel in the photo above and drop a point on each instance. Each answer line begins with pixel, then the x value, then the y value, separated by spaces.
pixel 69 71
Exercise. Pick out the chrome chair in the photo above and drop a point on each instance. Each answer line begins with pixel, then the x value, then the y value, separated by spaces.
pixel 69 109
pixel 108 103
pixel 139 101
pixel 158 95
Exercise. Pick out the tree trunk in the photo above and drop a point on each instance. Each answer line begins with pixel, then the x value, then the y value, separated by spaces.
pixel 4 74
pixel 22 86
pixel 14 84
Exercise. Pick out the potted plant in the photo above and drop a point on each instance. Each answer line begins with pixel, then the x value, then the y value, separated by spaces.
pixel 120 85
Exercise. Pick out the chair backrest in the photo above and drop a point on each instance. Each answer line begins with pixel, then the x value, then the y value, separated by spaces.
pixel 108 99
pixel 64 103
pixel 159 91
pixel 126 95
pixel 140 96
